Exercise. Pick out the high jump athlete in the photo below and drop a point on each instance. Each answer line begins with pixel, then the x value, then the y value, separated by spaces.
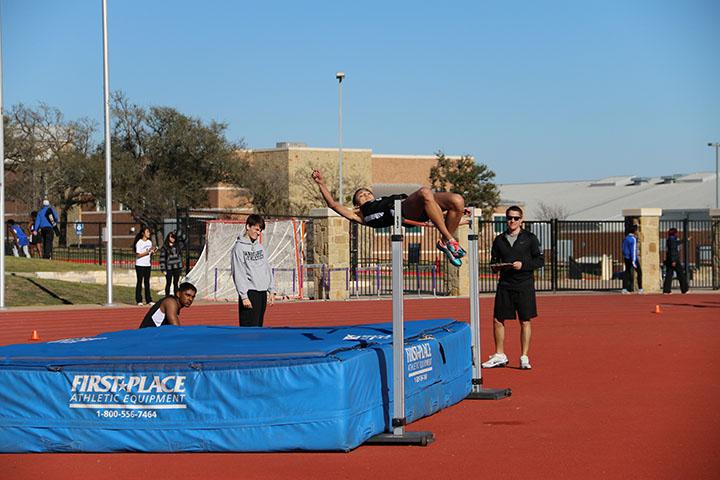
pixel 420 206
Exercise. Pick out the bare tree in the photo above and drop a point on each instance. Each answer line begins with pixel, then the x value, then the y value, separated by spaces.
pixel 545 211
pixel 48 157
pixel 310 196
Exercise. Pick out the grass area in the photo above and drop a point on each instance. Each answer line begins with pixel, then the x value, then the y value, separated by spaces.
pixel 32 265
pixel 22 291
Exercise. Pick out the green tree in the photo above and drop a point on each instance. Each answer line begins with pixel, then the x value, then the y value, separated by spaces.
pixel 164 161
pixel 471 180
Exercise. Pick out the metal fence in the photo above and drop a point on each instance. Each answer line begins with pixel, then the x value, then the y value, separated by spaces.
pixel 425 267
pixel 696 251
pixel 579 255
pixel 85 242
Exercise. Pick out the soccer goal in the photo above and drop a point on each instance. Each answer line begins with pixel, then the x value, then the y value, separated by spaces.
pixel 284 242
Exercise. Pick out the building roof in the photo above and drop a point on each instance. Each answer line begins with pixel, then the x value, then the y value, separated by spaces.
pixel 606 198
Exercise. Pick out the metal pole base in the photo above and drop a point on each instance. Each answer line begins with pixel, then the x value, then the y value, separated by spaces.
pixel 489 393
pixel 422 439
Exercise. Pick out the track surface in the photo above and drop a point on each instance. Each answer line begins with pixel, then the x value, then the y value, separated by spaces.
pixel 616 392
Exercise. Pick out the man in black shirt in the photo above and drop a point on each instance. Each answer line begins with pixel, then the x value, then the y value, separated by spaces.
pixel 673 263
pixel 515 254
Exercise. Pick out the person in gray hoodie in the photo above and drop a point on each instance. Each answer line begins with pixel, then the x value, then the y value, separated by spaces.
pixel 252 275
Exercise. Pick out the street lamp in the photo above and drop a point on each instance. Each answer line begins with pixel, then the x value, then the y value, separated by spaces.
pixel 717 178
pixel 2 184
pixel 108 162
pixel 340 76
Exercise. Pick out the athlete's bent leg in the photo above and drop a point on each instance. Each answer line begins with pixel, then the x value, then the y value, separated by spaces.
pixel 422 203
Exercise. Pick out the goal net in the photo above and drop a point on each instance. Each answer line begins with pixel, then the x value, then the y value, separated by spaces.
pixel 284 243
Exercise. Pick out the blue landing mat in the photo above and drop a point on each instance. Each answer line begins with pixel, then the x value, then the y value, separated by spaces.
pixel 181 389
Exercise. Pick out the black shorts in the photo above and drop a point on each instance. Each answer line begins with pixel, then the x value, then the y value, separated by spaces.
pixel 422 217
pixel 512 304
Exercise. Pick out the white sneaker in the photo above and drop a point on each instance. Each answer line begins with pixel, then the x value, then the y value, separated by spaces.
pixel 525 363
pixel 624 291
pixel 140 304
pixel 496 360
pixel 641 291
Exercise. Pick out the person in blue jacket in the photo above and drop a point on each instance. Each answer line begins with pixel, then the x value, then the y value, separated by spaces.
pixel 20 240
pixel 46 224
pixel 632 261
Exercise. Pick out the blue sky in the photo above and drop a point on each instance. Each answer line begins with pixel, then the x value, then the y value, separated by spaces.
pixel 538 90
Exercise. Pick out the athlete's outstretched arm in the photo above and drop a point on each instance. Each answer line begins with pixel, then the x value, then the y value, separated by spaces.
pixel 331 202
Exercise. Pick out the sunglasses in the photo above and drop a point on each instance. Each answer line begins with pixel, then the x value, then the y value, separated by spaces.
pixel 515 219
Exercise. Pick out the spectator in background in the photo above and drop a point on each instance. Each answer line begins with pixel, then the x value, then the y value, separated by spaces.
pixel 143 265
pixel 252 274
pixel 20 240
pixel 34 239
pixel 171 262
pixel 673 263
pixel 46 226
pixel 632 261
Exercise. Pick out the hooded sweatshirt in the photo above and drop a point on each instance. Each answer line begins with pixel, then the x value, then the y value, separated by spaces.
pixel 250 268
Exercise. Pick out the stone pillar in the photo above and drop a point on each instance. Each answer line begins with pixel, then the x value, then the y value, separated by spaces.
pixel 648 222
pixel 331 247
pixel 459 278
pixel 715 217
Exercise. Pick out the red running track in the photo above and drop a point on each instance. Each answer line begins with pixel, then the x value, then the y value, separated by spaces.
pixel 616 392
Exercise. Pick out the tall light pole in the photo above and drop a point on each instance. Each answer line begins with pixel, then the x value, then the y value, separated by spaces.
pixel 717 177
pixel 2 182
pixel 108 163
pixel 340 76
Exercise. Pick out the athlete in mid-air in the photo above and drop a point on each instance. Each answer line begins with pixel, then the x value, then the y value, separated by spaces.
pixel 420 206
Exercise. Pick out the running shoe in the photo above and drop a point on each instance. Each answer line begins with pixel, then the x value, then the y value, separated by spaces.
pixel 456 249
pixel 525 362
pixel 443 247
pixel 496 360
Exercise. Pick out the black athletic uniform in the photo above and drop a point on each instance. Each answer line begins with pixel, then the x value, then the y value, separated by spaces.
pixel 515 296
pixel 155 317
pixel 672 256
pixel 379 213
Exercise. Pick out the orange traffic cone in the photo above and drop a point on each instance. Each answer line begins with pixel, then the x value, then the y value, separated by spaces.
pixel 657 309
pixel 34 336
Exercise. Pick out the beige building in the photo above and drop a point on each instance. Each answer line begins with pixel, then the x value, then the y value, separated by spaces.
pixel 292 164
